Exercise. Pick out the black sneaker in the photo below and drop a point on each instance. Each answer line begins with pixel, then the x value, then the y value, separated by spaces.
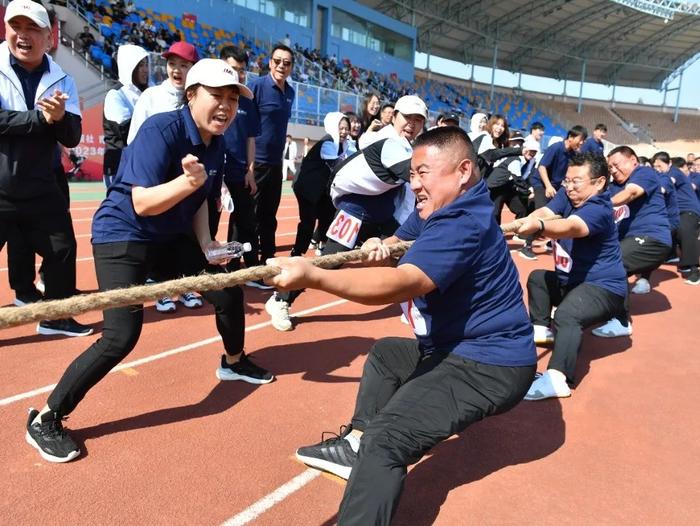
pixel 67 327
pixel 527 253
pixel 49 438
pixel 259 284
pixel 245 370
pixel 25 298
pixel 334 455
pixel 692 277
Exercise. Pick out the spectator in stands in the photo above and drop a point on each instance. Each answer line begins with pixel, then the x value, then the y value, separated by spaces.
pixel 355 128
pixel 274 98
pixel 496 136
pixel 158 199
pixel 690 158
pixel 85 38
pixel 642 224
pixel 448 119
pixel 132 64
pixel 370 193
pixel 312 185
pixel 369 113
pixel 689 209
pixel 239 171
pixel 551 171
pixel 537 131
pixel 130 7
pixel 594 144
pixel 477 126
pixel 39 110
pixel 168 95
pixel 289 158
pixel 211 48
pixel 588 285
pixel 386 114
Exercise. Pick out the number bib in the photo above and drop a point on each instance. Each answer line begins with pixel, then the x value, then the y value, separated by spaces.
pixel 414 317
pixel 621 212
pixel 344 229
pixel 562 259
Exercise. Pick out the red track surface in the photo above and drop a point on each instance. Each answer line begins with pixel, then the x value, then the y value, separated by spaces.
pixel 166 443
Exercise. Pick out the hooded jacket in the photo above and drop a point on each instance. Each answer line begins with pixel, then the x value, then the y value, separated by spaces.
pixel 28 143
pixel 119 106
pixel 156 99
pixel 313 180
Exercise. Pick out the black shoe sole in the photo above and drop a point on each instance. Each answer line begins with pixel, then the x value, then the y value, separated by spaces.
pixel 54 332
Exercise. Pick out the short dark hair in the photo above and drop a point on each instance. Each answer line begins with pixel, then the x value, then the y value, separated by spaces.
pixel 601 127
pixel 537 125
pixel 664 157
pixel 679 162
pixel 625 151
pixel 449 136
pixel 597 165
pixel 643 160
pixel 387 105
pixel 577 131
pixel 282 47
pixel 237 54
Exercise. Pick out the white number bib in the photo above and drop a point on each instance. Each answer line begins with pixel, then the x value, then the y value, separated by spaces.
pixel 414 317
pixel 344 229
pixel 562 259
pixel 621 212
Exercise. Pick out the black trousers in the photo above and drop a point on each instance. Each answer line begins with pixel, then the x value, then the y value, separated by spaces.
pixel 51 236
pixel 577 308
pixel 310 213
pixel 128 263
pixel 243 225
pixel 408 403
pixel 268 177
pixel 508 195
pixel 688 232
pixel 641 255
pixel 367 230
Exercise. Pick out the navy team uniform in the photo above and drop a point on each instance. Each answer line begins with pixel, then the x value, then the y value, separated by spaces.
pixel 127 247
pixel 590 145
pixel 588 285
pixel 689 225
pixel 473 355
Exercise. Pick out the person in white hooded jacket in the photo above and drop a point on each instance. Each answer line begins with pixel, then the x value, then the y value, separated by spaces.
pixel 132 62
pixel 168 95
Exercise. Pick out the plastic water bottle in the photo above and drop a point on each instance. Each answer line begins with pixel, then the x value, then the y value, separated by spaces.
pixel 231 250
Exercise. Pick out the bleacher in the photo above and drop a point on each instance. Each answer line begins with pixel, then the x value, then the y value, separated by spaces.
pixel 660 125
pixel 565 112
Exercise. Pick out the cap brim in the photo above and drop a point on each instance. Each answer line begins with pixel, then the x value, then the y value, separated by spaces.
pixel 242 88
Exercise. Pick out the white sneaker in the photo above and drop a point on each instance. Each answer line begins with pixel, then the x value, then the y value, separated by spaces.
pixel 613 329
pixel 641 286
pixel 543 335
pixel 190 300
pixel 166 305
pixel 279 313
pixel 551 384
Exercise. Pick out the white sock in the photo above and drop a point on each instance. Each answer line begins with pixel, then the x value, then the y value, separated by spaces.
pixel 354 442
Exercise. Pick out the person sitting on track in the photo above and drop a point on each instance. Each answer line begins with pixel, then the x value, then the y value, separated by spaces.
pixel 642 224
pixel 589 283
pixel 158 198
pixel 474 354
pixel 369 192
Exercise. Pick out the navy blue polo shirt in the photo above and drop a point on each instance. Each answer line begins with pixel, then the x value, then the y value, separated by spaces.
pixel 155 157
pixel 556 160
pixel 646 215
pixel 595 259
pixel 669 192
pixel 477 310
pixel 695 179
pixel 687 200
pixel 275 110
pixel 245 125
pixel 29 79
pixel 590 145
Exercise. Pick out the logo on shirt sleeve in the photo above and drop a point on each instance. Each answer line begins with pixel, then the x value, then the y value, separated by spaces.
pixel 415 318
pixel 621 212
pixel 562 259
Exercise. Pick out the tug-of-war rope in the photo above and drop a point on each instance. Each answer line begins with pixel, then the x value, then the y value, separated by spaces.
pixel 136 295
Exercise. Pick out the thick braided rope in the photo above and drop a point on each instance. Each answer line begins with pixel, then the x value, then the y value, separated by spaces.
pixel 136 295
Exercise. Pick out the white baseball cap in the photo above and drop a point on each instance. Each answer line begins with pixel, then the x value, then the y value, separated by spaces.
pixel 32 10
pixel 531 144
pixel 215 73
pixel 412 105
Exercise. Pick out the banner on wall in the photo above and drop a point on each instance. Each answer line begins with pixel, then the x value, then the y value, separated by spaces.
pixel 92 145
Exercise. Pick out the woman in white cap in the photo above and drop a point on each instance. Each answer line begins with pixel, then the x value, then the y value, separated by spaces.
pixel 158 199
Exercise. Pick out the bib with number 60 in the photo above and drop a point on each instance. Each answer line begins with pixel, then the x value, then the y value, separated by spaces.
pixel 344 229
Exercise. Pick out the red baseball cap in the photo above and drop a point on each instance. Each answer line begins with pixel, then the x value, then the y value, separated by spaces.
pixel 184 50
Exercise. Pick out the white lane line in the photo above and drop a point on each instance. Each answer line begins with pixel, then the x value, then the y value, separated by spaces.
pixel 253 511
pixel 48 388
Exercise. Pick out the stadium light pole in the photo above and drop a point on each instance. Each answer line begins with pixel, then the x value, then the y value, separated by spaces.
pixel 580 91
pixel 678 97
pixel 493 67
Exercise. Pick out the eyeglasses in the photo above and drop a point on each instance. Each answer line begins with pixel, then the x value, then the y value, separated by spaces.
pixel 285 62
pixel 573 183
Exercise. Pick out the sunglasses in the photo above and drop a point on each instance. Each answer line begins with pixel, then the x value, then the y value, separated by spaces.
pixel 285 62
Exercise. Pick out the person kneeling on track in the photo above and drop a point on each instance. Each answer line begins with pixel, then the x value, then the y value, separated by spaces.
pixel 158 198
pixel 474 355
pixel 589 284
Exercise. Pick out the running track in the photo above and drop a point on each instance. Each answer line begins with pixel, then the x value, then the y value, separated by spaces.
pixel 166 443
